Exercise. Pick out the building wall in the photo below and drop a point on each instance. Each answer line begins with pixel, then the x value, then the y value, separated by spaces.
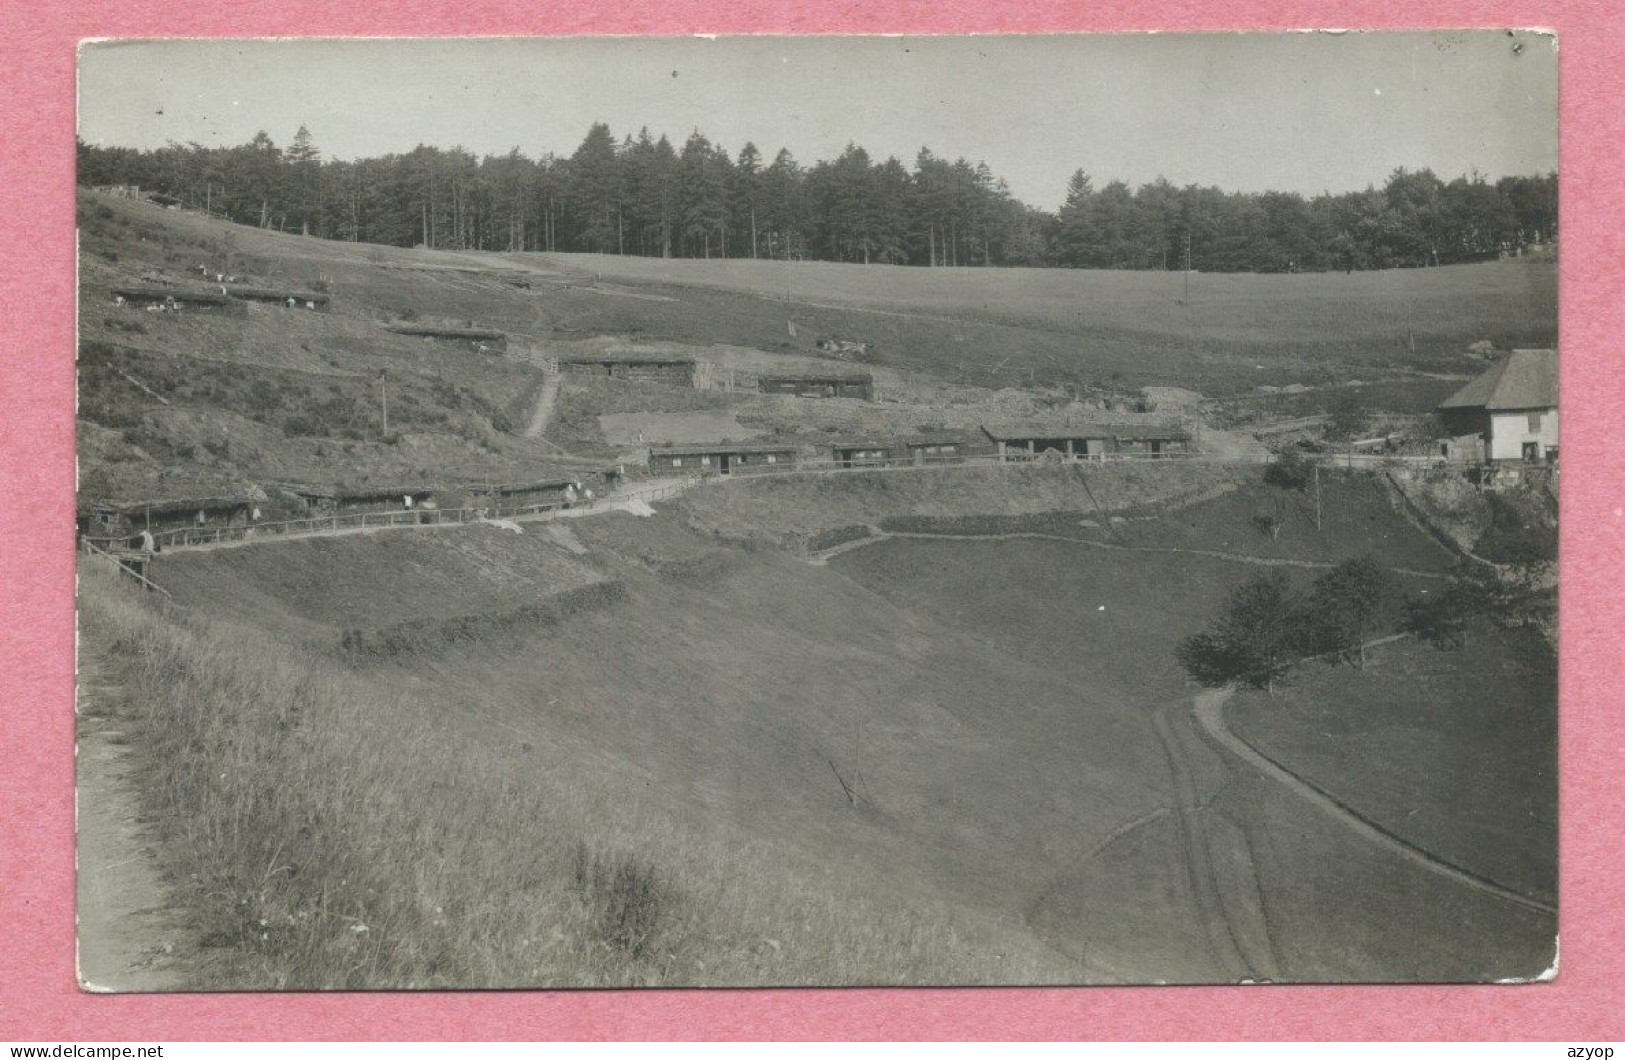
pixel 665 374
pixel 689 464
pixel 815 388
pixel 1510 430
pixel 937 453
pixel 395 502
pixel 676 374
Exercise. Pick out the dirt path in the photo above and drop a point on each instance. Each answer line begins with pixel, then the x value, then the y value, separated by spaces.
pixel 1225 888
pixel 1209 712
pixel 130 937
pixel 542 414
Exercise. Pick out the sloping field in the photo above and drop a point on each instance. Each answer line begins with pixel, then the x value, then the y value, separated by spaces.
pixel 1363 318
pixel 1302 897
pixel 1453 750
pixel 997 327
pixel 199 403
pixel 315 589
pixel 930 760
pixel 793 507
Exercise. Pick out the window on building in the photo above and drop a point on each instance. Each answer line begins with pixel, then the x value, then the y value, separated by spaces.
pixel 705 461
pixel 1534 422
pixel 772 459
pixel 676 461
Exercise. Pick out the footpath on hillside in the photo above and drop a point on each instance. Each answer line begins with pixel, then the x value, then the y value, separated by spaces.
pixel 130 938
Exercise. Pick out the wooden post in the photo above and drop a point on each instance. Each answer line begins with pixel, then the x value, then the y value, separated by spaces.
pixel 1317 496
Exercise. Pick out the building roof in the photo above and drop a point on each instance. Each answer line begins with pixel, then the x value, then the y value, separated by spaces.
pixel 518 487
pixel 834 375
pixel 353 493
pixel 430 332
pixel 272 293
pixel 895 442
pixel 1171 395
pixel 716 448
pixel 1526 379
pixel 163 505
pixel 1123 428
pixel 639 357
pixel 180 294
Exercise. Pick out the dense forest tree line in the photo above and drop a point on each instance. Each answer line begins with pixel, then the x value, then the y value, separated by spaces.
pixel 641 195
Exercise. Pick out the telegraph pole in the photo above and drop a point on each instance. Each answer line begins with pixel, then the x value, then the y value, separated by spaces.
pixel 1187 266
pixel 383 393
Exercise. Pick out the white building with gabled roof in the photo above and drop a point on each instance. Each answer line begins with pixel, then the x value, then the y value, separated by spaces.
pixel 1511 410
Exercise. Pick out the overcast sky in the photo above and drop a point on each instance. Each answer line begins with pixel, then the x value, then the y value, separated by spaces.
pixel 1299 112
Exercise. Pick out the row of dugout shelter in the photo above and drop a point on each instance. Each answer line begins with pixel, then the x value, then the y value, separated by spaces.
pixel 109 522
pixel 1013 442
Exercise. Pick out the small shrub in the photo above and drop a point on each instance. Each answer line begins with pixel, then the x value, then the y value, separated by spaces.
pixel 1290 471
pixel 1518 537
pixel 1441 618
pixel 1253 641
pixel 1344 607
pixel 624 897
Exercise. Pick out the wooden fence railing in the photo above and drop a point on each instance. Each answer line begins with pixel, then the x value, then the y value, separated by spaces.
pixel 193 537
pixel 124 568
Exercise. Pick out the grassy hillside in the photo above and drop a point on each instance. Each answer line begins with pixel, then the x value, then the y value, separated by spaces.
pixel 324 592
pixel 937 763
pixel 1331 906
pixel 1092 323
pixel 197 402
pixel 792 509
pixel 991 327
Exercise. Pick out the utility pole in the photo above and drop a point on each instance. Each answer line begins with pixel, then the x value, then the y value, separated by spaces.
pixel 1187 266
pixel 1317 496
pixel 383 393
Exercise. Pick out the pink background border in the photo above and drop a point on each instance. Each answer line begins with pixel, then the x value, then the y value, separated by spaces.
pixel 38 999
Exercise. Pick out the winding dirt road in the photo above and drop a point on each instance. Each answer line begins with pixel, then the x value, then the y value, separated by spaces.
pixel 1209 711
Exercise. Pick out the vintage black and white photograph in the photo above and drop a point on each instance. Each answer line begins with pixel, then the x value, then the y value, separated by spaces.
pixel 817 511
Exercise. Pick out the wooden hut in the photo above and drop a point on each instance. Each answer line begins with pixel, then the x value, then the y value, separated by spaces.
pixel 172 299
pixel 722 458
pixel 865 452
pixel 509 498
pixel 667 369
pixel 937 448
pixel 480 340
pixel 1089 439
pixel 333 500
pixel 108 519
pixel 291 299
pixel 831 383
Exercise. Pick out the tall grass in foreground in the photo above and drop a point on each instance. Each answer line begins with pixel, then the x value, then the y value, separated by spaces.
pixel 323 835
